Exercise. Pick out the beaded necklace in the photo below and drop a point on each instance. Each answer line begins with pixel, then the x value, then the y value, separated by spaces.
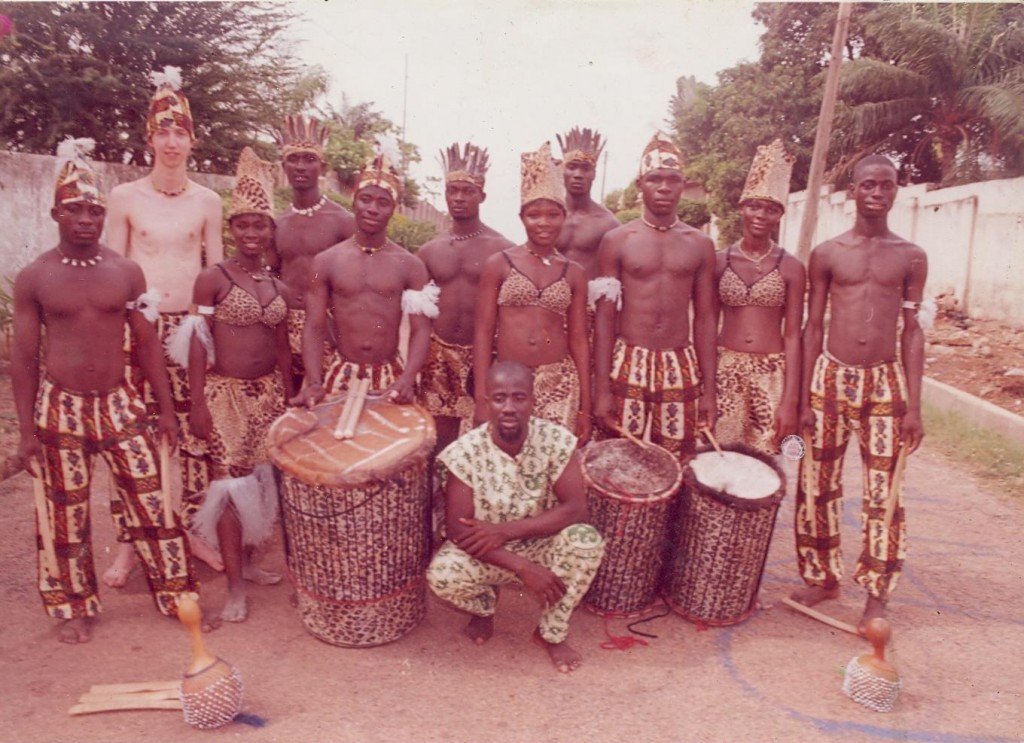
pixel 310 211
pixel 67 260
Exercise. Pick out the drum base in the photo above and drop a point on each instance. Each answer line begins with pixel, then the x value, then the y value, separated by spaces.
pixel 709 621
pixel 364 624
pixel 618 613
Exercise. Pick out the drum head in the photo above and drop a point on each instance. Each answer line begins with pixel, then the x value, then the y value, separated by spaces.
pixel 736 474
pixel 621 469
pixel 388 438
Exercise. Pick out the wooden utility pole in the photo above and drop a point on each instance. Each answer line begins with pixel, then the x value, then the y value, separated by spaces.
pixel 824 133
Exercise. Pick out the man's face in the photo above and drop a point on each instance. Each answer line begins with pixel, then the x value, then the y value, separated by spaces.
pixel 251 232
pixel 760 217
pixel 373 207
pixel 303 170
pixel 874 189
pixel 579 177
pixel 510 400
pixel 543 219
pixel 79 223
pixel 464 199
pixel 171 145
pixel 661 189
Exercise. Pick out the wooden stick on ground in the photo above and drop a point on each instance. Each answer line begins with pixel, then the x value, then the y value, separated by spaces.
pixel 91 707
pixel 131 688
pixel 815 614
pixel 43 514
pixel 165 482
pixel 132 696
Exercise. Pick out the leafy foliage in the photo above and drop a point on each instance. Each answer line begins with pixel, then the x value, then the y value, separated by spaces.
pixel 81 69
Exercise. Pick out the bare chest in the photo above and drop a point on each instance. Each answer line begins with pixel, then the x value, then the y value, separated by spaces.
pixel 84 293
pixel 663 258
pixel 870 266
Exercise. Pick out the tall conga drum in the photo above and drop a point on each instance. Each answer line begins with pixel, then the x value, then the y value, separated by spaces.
pixel 630 493
pixel 356 518
pixel 723 530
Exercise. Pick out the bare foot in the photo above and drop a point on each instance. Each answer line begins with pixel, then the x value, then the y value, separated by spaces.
pixel 872 609
pixel 812 595
pixel 75 631
pixel 260 577
pixel 479 629
pixel 236 609
pixel 564 658
pixel 206 553
pixel 125 562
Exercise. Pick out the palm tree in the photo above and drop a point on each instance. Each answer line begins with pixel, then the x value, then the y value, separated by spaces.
pixel 943 87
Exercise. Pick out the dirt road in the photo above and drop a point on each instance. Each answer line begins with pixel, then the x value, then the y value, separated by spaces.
pixel 958 642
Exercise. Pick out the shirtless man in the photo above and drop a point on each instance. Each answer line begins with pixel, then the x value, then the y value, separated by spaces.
pixel 367 282
pixel 517 512
pixel 648 376
pixel 309 226
pixel 454 261
pixel 83 294
pixel 171 227
pixel 857 385
pixel 586 221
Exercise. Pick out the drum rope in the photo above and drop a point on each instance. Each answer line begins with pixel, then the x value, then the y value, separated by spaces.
pixel 625 642
pixel 416 580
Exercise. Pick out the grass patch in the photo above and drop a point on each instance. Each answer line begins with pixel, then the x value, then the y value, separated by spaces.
pixel 984 453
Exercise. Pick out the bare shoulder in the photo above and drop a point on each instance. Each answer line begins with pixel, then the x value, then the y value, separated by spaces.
pixel 695 237
pixel 206 195
pixel 791 266
pixel 435 245
pixel 621 234
pixel 494 240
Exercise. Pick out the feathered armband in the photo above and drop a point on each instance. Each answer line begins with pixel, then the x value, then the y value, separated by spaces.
pixel 148 304
pixel 926 311
pixel 422 301
pixel 605 287
pixel 178 343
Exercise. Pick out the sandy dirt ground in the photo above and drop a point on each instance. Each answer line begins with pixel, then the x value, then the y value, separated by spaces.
pixel 958 643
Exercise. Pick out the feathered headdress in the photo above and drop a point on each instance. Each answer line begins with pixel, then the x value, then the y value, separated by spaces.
pixel 169 106
pixel 77 181
pixel 380 170
pixel 470 165
pixel 541 177
pixel 299 134
pixel 581 144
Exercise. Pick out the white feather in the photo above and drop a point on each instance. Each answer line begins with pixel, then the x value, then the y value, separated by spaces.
pixel 422 301
pixel 178 343
pixel 255 501
pixel 170 75
pixel 605 287
pixel 387 145
pixel 926 315
pixel 75 149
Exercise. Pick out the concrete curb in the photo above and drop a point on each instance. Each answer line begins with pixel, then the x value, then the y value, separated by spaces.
pixel 975 410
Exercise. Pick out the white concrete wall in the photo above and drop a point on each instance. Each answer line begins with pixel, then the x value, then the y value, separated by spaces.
pixel 26 195
pixel 973 234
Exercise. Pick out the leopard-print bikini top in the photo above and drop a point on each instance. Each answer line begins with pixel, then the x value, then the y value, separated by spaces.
pixel 767 291
pixel 240 307
pixel 518 290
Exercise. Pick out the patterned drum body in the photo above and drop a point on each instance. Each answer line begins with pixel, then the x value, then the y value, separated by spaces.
pixel 356 519
pixel 630 494
pixel 722 538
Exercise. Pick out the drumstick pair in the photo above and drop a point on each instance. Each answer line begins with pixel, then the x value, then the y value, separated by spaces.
pixel 353 408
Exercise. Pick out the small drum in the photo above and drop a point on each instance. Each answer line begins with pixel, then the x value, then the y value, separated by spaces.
pixel 356 518
pixel 726 516
pixel 630 491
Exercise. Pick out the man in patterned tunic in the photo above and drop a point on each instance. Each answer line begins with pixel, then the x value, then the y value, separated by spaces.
pixel 516 513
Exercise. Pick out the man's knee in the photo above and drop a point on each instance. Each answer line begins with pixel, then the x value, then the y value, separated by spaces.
pixel 582 539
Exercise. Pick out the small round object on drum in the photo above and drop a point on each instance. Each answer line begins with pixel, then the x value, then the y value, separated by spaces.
pixel 356 518
pixel 630 489
pixel 723 531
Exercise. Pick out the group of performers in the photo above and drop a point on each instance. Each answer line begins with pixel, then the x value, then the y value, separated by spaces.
pixel 521 354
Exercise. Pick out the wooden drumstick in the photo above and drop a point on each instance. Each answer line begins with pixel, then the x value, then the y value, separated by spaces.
pixel 165 482
pixel 190 615
pixel 362 389
pixel 711 437
pixel 346 411
pixel 43 515
pixel 626 434
pixel 895 484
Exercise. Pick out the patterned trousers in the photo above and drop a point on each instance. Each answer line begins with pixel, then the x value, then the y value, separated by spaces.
pixel 342 373
pixel 195 471
pixel 556 392
pixel 574 555
pixel 73 427
pixel 749 392
pixel 868 402
pixel 660 390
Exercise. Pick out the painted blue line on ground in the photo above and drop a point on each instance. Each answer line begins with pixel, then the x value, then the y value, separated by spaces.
pixel 838 727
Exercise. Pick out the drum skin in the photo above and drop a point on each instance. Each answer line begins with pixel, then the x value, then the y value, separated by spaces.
pixel 355 517
pixel 634 524
pixel 721 545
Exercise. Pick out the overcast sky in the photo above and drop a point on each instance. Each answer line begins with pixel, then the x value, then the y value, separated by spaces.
pixel 510 74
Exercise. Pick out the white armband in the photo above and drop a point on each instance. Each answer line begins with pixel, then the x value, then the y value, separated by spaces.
pixel 605 287
pixel 422 301
pixel 178 342
pixel 148 304
pixel 926 314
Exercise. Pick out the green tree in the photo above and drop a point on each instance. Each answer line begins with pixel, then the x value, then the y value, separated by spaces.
pixel 944 94
pixel 82 69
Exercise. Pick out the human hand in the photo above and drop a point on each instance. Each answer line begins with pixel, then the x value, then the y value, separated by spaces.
pixel 603 410
pixel 707 409
pixel 310 394
pixel 912 431
pixel 200 422
pixel 480 537
pixel 542 583
pixel 786 422
pixel 583 427
pixel 807 421
pixel 167 428
pixel 402 392
pixel 30 454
